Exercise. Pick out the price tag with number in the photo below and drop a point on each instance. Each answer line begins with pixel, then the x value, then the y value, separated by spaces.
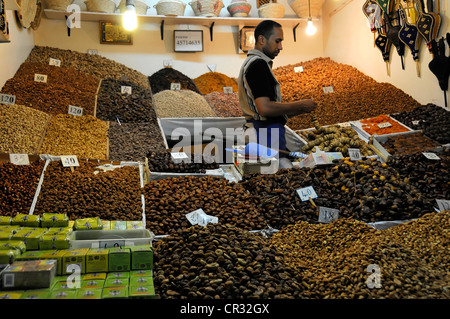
pixel 55 62
pixel 306 193
pixel 179 155
pixel 40 78
pixel 75 110
pixel 355 154
pixel 443 204
pixel 7 99
pixel 298 69
pixel 431 156
pixel 328 89
pixel 69 161
pixel 415 122
pixel 126 89
pixel 384 125
pixel 227 89
pixel 327 214
pixel 175 86
pixel 19 159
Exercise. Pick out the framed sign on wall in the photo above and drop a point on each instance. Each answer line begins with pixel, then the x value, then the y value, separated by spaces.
pixel 114 33
pixel 246 38
pixel 188 40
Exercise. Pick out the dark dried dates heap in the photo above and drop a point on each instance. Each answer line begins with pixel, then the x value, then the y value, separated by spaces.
pixel 194 163
pixel 220 262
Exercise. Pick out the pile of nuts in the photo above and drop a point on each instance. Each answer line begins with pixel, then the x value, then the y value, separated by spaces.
pixel 409 143
pixel 194 163
pixel 18 185
pixel 163 79
pixel 214 82
pixel 63 87
pixel 430 176
pixel 181 103
pixel 113 105
pixel 168 200
pixel 21 129
pixel 355 96
pixel 92 64
pixel 221 262
pixel 225 104
pixel 133 141
pixel 432 120
pixel 83 136
pixel 89 191
pixel 348 259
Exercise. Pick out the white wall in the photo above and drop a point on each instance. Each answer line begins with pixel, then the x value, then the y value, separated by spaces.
pixel 12 54
pixel 348 40
pixel 148 50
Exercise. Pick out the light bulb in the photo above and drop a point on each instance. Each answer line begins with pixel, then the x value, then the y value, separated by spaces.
pixel 130 18
pixel 310 29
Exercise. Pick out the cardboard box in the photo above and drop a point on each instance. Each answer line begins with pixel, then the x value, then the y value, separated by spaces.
pixel 29 274
pixel 118 274
pixel 59 231
pixel 91 293
pixel 75 257
pixel 31 255
pixel 54 220
pixel 63 294
pixel 116 282
pixel 141 291
pixel 141 280
pixel 35 294
pixel 119 259
pixel 57 255
pixel 92 284
pixel 97 260
pixel 6 234
pixel 88 224
pixel 10 295
pixel 141 272
pixel 115 292
pixel 26 220
pixel 141 257
pixel 94 276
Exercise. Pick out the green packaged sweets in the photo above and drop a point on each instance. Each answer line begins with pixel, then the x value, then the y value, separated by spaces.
pixel 13 244
pixel 91 293
pixel 141 257
pixel 8 256
pixel 63 294
pixel 47 242
pixel 115 292
pixel 26 220
pixel 141 291
pixel 35 294
pixel 93 223
pixel 54 220
pixel 5 220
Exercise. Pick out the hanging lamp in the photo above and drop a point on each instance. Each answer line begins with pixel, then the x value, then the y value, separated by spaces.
pixel 310 28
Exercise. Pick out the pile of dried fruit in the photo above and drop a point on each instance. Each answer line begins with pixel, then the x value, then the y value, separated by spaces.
pixel 194 163
pixel 93 64
pixel 181 103
pixel 221 262
pixel 21 129
pixel 163 79
pixel 356 96
pixel 214 82
pixel 89 191
pixel 409 144
pixel 225 104
pixel 133 107
pixel 63 86
pixel 18 185
pixel 376 125
pixel 83 136
pixel 168 200
pixel 432 120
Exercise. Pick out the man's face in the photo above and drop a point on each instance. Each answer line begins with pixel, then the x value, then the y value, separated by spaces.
pixel 272 46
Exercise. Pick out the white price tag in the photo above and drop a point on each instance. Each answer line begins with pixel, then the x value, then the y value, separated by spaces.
pixel 212 67
pixel 126 89
pixel 415 122
pixel 75 110
pixel 175 86
pixel 431 156
pixel 355 154
pixel 298 69
pixel 40 78
pixel 179 155
pixel 92 51
pixel 227 89
pixel 167 63
pixel 199 217
pixel 19 159
pixel 7 99
pixel 306 193
pixel 327 214
pixel 328 89
pixel 346 124
pixel 55 62
pixel 443 204
pixel 384 125
pixel 69 160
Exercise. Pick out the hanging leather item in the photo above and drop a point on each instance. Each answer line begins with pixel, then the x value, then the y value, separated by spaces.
pixel 392 35
pixel 428 23
pixel 440 64
pixel 409 36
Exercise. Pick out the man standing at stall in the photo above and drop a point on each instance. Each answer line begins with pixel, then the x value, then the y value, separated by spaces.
pixel 259 90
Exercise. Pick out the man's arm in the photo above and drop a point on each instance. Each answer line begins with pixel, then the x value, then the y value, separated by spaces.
pixel 268 108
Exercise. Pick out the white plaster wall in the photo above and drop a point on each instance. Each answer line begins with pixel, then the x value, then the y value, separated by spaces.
pixel 347 39
pixel 12 54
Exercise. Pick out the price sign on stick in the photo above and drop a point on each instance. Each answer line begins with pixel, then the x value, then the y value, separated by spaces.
pixel 19 159
pixel 7 99
pixel 431 156
pixel 175 86
pixel 443 204
pixel 298 69
pixel 126 89
pixel 69 161
pixel 40 78
pixel 306 193
pixel 384 125
pixel 227 89
pixel 179 155
pixel 327 214
pixel 355 154
pixel 75 110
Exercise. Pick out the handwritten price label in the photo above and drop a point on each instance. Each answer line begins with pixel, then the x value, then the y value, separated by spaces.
pixel 431 156
pixel 328 89
pixel 40 78
pixel 306 193
pixel 7 99
pixel 126 89
pixel 327 214
pixel 54 62
pixel 75 110
pixel 175 86
pixel 19 159
pixel 384 125
pixel 298 69
pixel 69 161
pixel 355 154
pixel 179 155
pixel 227 89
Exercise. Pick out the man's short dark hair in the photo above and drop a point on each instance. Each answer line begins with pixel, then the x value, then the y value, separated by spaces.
pixel 265 28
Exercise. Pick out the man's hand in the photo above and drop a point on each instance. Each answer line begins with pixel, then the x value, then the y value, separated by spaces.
pixel 307 106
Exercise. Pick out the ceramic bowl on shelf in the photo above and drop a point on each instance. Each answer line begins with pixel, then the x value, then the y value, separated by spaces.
pixel 239 8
